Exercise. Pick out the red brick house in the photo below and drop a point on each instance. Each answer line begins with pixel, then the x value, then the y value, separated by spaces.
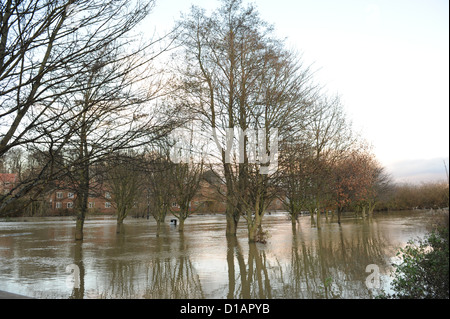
pixel 207 200
pixel 63 200
pixel 7 182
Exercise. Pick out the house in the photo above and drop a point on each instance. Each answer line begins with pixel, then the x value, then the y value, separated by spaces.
pixel 62 201
pixel 7 183
pixel 208 199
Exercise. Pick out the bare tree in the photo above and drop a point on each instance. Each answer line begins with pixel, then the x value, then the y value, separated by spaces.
pixel 42 46
pixel 158 184
pixel 124 179
pixel 294 173
pixel 113 114
pixel 330 136
pixel 61 62
pixel 238 76
pixel 186 178
pixel 86 97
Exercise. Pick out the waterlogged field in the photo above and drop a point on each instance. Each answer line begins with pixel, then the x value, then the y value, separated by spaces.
pixel 40 258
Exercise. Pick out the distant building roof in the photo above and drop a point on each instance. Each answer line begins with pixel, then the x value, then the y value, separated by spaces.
pixel 211 177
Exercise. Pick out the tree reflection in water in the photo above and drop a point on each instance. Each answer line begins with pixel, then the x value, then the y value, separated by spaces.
pixel 253 277
pixel 173 277
pixel 78 292
pixel 302 262
pixel 162 277
pixel 331 266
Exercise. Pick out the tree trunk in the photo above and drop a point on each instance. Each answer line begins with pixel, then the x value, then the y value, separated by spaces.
pixel 232 216
pixel 254 228
pixel 79 228
pixel 83 187
pixel 252 233
pixel 313 221
pixel 181 226
pixel 371 207
pixel 120 227
pixel 294 227
pixel 318 218
pixel 232 212
pixel 158 227
pixel 294 217
pixel 121 214
pixel 160 217
pixel 293 220
pixel 82 209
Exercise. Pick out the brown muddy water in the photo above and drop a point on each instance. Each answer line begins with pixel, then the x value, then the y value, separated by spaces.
pixel 39 257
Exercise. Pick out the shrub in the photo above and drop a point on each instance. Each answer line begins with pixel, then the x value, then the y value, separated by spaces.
pixel 423 273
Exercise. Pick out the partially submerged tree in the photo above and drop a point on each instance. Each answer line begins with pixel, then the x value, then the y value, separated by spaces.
pixel 58 61
pixel 350 181
pixel 379 189
pixel 159 186
pixel 111 116
pixel 294 170
pixel 186 178
pixel 237 77
pixel 125 182
pixel 330 136
pixel 307 157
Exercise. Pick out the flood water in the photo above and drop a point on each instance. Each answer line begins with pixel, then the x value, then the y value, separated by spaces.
pixel 315 261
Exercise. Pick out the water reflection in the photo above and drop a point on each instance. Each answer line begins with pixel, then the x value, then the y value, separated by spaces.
pixel 78 292
pixel 333 267
pixel 330 265
pixel 173 277
pixel 253 278
pixel 163 276
pixel 305 262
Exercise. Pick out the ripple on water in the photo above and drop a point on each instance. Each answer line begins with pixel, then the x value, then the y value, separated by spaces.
pixel 15 234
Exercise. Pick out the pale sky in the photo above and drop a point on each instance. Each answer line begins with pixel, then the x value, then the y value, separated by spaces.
pixel 387 59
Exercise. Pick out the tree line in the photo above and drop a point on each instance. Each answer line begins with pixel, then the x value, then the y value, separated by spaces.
pixel 431 195
pixel 87 99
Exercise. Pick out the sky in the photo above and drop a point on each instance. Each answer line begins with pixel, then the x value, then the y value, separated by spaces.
pixel 388 60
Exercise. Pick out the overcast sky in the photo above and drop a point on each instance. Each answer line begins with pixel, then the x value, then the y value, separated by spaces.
pixel 387 59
